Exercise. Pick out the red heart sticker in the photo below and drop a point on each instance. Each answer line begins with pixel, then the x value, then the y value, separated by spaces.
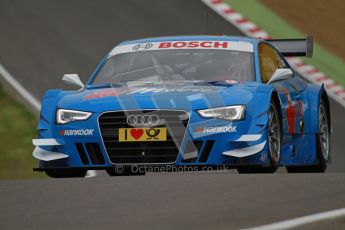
pixel 137 133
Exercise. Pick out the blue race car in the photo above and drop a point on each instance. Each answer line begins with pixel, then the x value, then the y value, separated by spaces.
pixel 188 102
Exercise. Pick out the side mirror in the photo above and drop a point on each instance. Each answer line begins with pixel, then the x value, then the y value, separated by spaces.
pixel 72 79
pixel 280 74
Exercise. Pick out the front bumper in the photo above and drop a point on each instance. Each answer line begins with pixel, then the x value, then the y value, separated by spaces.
pixel 205 142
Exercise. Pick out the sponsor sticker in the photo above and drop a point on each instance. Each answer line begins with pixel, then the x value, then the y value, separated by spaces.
pixel 141 90
pixel 142 46
pixel 194 44
pixel 172 89
pixel 102 93
pixel 218 129
pixel 142 134
pixel 164 45
pixel 77 132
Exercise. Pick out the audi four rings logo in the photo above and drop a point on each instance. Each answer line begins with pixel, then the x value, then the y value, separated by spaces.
pixel 143 120
pixel 144 46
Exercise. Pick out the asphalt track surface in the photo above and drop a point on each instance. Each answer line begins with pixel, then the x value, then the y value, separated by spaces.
pixel 42 40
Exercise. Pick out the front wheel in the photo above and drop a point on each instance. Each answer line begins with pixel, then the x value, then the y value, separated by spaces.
pixel 274 136
pixel 66 173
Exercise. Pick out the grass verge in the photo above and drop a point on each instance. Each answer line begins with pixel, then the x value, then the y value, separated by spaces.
pixel 17 129
pixel 324 60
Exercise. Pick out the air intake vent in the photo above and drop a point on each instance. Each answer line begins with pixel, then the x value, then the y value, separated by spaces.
pixel 95 153
pixel 193 147
pixel 82 153
pixel 206 151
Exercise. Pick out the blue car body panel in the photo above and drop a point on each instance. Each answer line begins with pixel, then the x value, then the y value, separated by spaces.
pixel 296 98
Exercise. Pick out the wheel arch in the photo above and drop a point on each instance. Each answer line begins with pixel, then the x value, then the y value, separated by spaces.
pixel 276 99
pixel 313 95
pixel 324 97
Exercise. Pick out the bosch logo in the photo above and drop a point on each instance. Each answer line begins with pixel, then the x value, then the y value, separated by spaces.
pixel 142 120
pixel 144 46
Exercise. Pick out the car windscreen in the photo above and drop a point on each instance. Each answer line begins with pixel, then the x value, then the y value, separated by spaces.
pixel 177 65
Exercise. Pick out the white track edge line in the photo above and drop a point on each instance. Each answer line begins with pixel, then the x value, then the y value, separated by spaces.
pixel 19 88
pixel 219 6
pixel 292 223
pixel 29 98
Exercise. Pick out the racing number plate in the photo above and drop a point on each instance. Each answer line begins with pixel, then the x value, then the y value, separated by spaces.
pixel 142 134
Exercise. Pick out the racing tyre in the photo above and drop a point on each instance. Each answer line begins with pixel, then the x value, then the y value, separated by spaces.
pixel 274 138
pixel 124 171
pixel 66 173
pixel 322 145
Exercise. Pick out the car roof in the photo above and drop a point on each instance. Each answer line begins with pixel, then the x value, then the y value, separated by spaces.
pixel 193 38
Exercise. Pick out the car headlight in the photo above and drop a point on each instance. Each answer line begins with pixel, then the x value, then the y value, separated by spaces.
pixel 230 113
pixel 64 116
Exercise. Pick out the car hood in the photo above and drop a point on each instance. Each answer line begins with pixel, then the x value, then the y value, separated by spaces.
pixel 186 96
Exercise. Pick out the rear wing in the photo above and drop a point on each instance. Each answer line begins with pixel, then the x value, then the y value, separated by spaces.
pixel 294 47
